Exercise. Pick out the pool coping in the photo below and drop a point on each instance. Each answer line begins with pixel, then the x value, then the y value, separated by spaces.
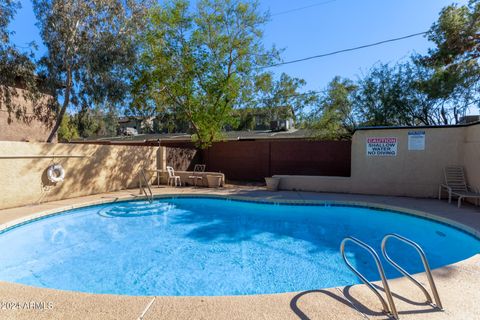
pixel 151 307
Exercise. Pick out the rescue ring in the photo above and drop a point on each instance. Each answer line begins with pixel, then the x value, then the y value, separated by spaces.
pixel 56 173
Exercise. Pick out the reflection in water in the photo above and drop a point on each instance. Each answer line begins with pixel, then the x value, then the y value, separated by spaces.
pixel 58 235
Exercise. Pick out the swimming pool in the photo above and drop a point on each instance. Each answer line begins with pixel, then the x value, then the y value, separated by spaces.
pixel 203 246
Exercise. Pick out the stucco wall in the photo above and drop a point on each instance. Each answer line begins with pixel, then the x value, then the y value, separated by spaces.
pixel 409 173
pixel 182 159
pixel 34 123
pixel 93 169
pixel 471 155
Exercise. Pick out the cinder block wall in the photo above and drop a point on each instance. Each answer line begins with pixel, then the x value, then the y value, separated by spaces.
pixel 90 169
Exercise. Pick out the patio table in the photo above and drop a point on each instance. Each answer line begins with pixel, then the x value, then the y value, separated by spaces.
pixel 158 172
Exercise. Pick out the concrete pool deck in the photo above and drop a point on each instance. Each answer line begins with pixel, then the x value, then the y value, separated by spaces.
pixel 457 284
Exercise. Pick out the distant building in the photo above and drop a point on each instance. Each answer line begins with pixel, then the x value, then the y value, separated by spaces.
pixel 186 139
pixel 275 119
pixel 134 125
pixel 469 119
pixel 27 121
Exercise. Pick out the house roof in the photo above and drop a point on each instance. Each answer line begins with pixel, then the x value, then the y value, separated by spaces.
pixel 184 137
pixel 264 110
pixel 132 118
pixel 153 139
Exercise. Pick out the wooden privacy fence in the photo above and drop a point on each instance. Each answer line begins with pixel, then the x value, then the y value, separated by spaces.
pixel 254 160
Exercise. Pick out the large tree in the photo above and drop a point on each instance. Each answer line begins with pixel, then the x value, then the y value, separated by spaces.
pixel 147 100
pixel 95 122
pixel 386 96
pixel 199 62
pixel 432 89
pixel 270 94
pixel 334 116
pixel 456 35
pixel 453 81
pixel 68 129
pixel 91 48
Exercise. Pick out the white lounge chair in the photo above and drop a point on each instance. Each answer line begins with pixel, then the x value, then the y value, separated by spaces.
pixel 173 180
pixel 456 185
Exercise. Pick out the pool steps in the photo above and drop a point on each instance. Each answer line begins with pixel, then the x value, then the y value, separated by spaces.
pixel 118 211
pixel 389 308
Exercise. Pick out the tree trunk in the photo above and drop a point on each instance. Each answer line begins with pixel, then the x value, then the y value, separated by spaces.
pixel 443 114
pixel 60 115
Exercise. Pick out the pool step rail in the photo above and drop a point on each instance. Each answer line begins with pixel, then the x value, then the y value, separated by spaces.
pixel 390 308
pixel 145 186
pixel 421 253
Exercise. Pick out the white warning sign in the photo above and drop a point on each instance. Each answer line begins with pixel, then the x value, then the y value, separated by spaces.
pixel 416 140
pixel 382 146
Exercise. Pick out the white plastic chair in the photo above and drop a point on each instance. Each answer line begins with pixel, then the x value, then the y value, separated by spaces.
pixel 172 178
pixel 199 168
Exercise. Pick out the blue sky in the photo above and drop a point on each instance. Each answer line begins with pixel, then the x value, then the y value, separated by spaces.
pixel 348 23
pixel 333 25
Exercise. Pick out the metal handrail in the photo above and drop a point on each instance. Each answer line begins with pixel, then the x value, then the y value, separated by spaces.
pixel 438 303
pixel 392 310
pixel 148 195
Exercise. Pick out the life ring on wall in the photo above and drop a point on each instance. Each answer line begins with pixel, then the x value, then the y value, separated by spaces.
pixel 56 173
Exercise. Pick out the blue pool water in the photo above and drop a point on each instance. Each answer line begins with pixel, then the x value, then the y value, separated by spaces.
pixel 202 246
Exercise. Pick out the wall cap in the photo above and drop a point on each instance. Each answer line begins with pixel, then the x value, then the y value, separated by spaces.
pixel 418 127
